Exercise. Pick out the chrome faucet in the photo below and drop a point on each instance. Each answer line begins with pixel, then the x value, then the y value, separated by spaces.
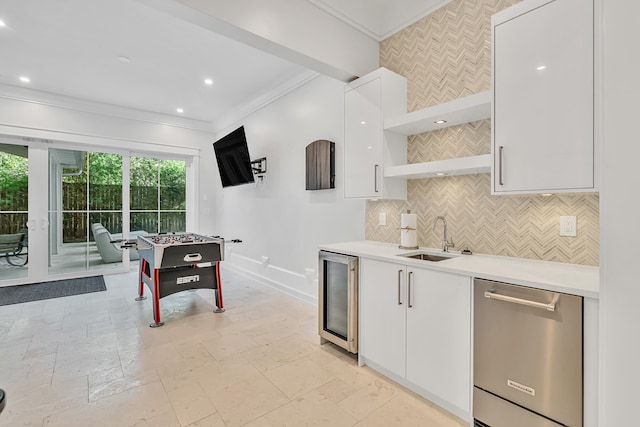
pixel 446 244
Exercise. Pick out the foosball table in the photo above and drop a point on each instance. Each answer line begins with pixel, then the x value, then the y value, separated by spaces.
pixel 176 262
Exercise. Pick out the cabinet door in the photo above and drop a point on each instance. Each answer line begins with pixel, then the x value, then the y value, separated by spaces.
pixel 439 335
pixel 382 305
pixel 363 141
pixel 543 98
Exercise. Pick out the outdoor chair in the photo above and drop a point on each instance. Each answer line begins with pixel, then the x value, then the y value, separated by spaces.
pixel 13 247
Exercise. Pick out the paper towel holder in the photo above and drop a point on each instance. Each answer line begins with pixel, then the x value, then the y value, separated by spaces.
pixel 407 229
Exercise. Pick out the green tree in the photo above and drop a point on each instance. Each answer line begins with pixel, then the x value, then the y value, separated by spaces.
pixel 14 182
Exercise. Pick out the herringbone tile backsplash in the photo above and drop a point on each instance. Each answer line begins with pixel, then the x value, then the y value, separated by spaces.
pixel 445 56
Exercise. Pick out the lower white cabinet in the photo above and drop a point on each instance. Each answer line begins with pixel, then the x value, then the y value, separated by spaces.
pixel 382 314
pixel 439 334
pixel 416 324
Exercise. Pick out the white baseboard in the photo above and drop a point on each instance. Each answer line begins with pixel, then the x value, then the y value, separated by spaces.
pixel 248 272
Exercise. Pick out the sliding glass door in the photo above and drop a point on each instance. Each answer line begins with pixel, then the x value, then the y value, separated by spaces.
pixel 14 211
pixel 63 209
pixel 158 195
pixel 85 211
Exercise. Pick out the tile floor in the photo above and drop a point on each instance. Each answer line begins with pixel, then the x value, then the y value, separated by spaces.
pixel 92 360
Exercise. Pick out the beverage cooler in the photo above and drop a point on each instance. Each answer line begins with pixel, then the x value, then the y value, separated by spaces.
pixel 338 300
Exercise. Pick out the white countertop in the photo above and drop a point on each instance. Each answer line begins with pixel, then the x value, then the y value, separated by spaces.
pixel 554 276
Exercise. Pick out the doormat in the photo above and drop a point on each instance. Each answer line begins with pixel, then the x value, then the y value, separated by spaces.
pixel 46 290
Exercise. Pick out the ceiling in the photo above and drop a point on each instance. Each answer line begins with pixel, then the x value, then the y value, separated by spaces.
pixel 380 18
pixel 76 48
pixel 72 47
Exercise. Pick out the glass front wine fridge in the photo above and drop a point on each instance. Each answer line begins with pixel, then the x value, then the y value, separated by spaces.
pixel 338 300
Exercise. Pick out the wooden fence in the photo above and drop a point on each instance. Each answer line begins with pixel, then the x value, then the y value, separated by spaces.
pixel 103 198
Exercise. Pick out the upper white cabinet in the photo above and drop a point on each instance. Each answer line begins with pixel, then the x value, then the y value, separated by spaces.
pixel 543 97
pixel 367 148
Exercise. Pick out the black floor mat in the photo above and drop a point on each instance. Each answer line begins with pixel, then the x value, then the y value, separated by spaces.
pixel 56 289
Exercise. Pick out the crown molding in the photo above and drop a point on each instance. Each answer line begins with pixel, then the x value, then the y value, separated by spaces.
pixel 415 18
pixel 262 101
pixel 70 103
pixel 378 34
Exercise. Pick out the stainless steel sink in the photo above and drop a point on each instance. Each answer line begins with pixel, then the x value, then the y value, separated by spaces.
pixel 427 257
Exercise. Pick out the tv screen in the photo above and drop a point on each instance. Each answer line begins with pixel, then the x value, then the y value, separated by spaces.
pixel 233 159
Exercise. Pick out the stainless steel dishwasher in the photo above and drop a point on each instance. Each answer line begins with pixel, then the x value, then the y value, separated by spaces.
pixel 527 357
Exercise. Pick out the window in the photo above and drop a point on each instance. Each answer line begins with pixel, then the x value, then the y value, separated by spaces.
pixel 158 195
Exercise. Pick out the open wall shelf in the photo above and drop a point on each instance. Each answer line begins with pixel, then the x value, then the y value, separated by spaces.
pixel 464 110
pixel 460 111
pixel 459 166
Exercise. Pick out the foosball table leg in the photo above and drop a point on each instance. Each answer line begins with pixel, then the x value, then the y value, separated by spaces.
pixel 156 300
pixel 218 291
pixel 141 296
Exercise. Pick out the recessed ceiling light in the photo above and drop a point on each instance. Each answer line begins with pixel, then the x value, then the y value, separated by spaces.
pixel 542 67
pixel 25 79
pixel 363 123
pixel 180 110
pixel 2 24
pixel 124 59
pixel 439 122
pixel 208 82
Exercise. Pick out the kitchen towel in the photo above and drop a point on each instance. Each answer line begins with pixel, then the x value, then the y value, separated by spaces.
pixel 408 233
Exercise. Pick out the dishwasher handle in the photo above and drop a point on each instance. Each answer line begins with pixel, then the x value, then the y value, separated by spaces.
pixel 549 307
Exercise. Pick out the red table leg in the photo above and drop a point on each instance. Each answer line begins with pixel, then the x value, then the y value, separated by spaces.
pixel 219 303
pixel 156 299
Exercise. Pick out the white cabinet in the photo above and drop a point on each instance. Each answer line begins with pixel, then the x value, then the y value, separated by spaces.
pixel 415 323
pixel 543 97
pixel 367 148
pixel 439 334
pixel 382 302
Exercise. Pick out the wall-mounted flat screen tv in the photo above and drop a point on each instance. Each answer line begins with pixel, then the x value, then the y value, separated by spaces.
pixel 233 159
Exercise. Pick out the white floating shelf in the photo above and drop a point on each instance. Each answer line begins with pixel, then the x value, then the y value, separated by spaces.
pixel 457 112
pixel 459 166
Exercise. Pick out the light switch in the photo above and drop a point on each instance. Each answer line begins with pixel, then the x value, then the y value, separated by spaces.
pixel 382 218
pixel 568 226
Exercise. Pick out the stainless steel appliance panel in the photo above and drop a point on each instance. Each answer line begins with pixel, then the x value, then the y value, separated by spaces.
pixel 501 413
pixel 526 353
pixel 338 300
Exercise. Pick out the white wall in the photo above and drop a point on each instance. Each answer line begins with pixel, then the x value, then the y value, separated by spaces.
pixel 619 220
pixel 279 219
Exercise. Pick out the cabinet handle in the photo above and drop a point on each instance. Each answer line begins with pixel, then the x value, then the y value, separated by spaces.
pixel 399 278
pixel 500 154
pixel 375 178
pixel 409 290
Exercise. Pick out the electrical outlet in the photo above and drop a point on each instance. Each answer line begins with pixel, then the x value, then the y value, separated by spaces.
pixel 382 218
pixel 568 226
